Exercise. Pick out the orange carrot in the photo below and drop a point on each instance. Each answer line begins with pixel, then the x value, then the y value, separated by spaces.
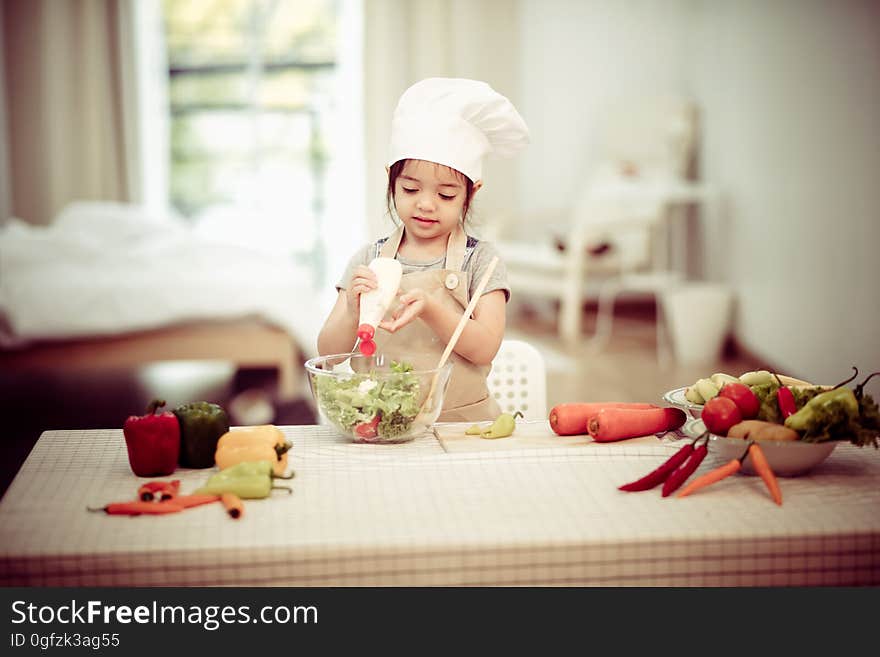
pixel 611 424
pixel 138 507
pixel 717 474
pixel 234 505
pixel 187 501
pixel 571 419
pixel 762 467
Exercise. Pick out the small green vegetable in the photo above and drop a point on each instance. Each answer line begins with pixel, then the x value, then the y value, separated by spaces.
pixel 474 430
pixel 756 378
pixel 201 425
pixel 247 468
pixel 503 426
pixel 839 404
pixel 837 415
pixel 246 486
pixel 248 480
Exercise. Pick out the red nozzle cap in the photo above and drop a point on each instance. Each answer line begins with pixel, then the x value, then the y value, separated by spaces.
pixel 366 332
pixel 368 347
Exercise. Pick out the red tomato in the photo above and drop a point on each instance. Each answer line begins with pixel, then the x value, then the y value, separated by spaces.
pixel 741 395
pixel 368 429
pixel 719 414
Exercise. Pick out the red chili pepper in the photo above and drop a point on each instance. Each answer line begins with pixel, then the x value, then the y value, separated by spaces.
pixel 660 474
pixel 166 490
pixel 368 429
pixel 153 441
pixel 677 478
pixel 785 399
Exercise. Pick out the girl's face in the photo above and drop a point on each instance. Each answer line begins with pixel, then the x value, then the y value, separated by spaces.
pixel 429 198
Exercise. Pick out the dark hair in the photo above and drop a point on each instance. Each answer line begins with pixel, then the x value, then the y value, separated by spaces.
pixel 396 169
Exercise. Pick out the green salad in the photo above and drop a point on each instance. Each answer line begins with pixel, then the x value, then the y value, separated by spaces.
pixel 369 406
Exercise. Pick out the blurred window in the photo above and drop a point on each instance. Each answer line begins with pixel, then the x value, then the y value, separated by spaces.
pixel 250 86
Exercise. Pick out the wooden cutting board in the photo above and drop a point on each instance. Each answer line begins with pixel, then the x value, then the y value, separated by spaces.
pixel 528 435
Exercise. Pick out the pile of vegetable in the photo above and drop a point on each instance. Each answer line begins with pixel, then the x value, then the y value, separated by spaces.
pixel 160 440
pixel 764 405
pixel 733 406
pixel 370 406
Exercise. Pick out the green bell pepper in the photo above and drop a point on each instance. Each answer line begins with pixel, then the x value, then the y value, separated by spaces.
pixel 201 425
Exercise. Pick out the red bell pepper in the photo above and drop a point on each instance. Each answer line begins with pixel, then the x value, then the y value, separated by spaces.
pixel 153 441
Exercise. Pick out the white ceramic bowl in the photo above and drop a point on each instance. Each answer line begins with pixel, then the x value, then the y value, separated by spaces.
pixel 350 394
pixel 676 398
pixel 787 458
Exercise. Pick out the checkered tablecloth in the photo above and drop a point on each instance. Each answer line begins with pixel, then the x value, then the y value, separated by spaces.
pixel 416 515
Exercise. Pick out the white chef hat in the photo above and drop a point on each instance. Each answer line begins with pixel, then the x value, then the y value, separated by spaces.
pixel 455 122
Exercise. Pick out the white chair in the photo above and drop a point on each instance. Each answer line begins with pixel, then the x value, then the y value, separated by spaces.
pixel 518 380
pixel 628 204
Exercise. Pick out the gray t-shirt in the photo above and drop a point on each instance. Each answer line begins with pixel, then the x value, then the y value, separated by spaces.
pixel 477 256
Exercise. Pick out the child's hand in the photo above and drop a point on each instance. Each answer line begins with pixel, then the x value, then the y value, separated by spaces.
pixel 412 305
pixel 363 279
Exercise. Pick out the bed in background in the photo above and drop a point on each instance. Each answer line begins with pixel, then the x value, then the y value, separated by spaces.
pixel 107 285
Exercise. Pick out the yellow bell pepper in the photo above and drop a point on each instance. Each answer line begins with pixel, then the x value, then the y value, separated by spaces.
pixel 265 442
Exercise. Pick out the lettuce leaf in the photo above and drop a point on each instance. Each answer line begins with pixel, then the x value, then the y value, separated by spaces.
pixel 351 400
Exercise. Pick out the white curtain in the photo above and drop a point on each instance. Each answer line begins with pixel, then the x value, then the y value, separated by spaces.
pixel 68 106
pixel 5 186
pixel 407 40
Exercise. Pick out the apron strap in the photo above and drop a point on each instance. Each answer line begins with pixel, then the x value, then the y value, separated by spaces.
pixel 455 248
pixel 389 249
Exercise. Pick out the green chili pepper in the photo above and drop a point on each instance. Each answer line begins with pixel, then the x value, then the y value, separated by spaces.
pixel 201 425
pixel 247 484
pixel 246 468
pixel 474 430
pixel 825 404
pixel 502 427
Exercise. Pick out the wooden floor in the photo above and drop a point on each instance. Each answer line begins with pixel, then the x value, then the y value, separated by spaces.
pixel 626 370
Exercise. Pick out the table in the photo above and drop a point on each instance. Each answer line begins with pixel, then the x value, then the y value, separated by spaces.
pixel 416 515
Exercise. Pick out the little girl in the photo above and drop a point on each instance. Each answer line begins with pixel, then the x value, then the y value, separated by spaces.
pixel 441 130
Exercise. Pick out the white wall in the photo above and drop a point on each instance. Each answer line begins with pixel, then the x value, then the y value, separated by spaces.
pixel 790 101
pixel 791 95
pixel 578 58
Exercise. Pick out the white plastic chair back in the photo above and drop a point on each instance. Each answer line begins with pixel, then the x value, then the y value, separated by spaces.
pixel 518 380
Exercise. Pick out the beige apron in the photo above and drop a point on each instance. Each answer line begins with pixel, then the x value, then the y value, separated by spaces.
pixel 467 397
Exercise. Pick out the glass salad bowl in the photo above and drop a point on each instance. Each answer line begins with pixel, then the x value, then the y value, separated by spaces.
pixel 380 398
